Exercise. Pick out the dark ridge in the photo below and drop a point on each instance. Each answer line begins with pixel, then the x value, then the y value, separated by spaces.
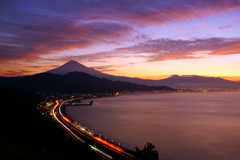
pixel 77 82
pixel 4 80
pixel 26 134
pixel 175 81
pixel 198 81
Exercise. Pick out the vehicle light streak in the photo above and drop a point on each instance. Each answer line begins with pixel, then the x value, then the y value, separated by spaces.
pixel 108 144
pixel 59 109
pixel 66 119
pixel 65 127
pixel 66 122
pixel 101 152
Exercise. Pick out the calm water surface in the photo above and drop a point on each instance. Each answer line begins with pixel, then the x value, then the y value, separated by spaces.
pixel 182 126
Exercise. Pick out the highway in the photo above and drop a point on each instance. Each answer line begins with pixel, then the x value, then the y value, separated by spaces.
pixel 103 147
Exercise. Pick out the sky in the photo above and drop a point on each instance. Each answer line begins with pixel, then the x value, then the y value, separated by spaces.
pixel 149 39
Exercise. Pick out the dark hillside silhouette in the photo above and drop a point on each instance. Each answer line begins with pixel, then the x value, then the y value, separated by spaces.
pixel 77 82
pixel 27 134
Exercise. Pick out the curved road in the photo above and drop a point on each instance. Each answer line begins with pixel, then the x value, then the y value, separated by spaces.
pixel 90 138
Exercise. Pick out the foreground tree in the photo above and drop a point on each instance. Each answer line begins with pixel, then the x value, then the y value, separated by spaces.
pixel 147 153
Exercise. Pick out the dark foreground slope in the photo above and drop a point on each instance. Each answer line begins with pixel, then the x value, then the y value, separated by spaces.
pixel 77 82
pixel 25 134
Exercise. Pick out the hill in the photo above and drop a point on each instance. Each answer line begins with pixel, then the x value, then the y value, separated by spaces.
pixel 26 134
pixel 73 66
pixel 195 81
pixel 77 82
pixel 173 81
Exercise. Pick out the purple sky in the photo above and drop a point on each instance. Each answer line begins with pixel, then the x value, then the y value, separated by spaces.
pixel 146 39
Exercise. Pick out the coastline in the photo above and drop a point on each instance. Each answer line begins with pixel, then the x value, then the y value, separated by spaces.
pixel 119 118
pixel 129 154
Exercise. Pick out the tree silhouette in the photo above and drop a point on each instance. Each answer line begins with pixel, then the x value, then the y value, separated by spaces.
pixel 148 152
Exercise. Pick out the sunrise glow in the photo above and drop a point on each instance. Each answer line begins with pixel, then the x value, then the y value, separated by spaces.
pixel 145 39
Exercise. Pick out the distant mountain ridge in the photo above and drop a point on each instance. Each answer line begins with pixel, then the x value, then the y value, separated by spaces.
pixel 198 81
pixel 77 82
pixel 73 66
pixel 173 81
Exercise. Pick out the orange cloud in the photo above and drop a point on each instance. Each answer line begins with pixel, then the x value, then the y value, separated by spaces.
pixel 16 73
pixel 39 28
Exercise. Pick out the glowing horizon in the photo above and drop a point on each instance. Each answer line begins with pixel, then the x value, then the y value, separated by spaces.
pixel 149 39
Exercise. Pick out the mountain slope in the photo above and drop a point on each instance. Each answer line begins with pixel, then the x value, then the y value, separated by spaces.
pixel 27 134
pixel 197 81
pixel 77 82
pixel 73 66
pixel 173 81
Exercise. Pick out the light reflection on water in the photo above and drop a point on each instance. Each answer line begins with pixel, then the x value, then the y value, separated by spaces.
pixel 182 126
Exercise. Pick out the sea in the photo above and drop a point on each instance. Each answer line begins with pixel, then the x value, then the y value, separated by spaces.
pixel 181 126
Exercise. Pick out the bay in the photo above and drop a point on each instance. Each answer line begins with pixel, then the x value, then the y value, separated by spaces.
pixel 182 126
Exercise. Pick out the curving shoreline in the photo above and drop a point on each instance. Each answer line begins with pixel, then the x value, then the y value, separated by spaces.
pixel 96 138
